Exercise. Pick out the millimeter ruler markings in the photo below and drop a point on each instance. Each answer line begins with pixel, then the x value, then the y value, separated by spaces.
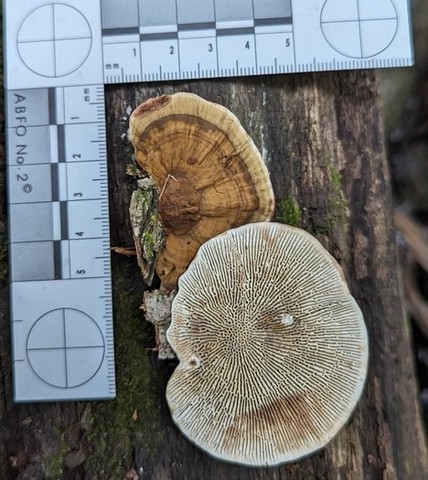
pixel 61 298
pixel 182 39
pixel 58 57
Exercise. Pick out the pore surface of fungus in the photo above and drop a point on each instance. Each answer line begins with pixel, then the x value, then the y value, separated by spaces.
pixel 272 347
pixel 209 174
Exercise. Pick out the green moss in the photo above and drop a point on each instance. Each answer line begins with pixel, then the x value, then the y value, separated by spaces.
pixel 152 237
pixel 53 462
pixel 336 177
pixel 133 170
pixel 148 242
pixel 337 205
pixel 145 224
pixel 289 212
pixel 133 417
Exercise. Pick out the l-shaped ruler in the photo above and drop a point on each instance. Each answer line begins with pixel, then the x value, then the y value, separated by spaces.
pixel 58 56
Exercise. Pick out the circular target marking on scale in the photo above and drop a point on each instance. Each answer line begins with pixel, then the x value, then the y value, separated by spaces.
pixel 54 40
pixel 359 28
pixel 65 348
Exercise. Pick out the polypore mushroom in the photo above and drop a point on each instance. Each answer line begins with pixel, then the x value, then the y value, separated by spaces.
pixel 272 347
pixel 209 174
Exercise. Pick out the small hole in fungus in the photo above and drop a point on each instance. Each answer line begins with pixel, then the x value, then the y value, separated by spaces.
pixel 194 362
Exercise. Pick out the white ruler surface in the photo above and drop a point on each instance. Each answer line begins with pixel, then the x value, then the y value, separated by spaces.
pixel 61 306
pixel 178 39
pixel 58 56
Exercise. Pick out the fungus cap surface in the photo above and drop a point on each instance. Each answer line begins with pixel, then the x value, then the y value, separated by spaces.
pixel 273 349
pixel 208 171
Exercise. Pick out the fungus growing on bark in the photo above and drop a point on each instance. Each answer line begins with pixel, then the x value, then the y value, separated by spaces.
pixel 272 346
pixel 209 174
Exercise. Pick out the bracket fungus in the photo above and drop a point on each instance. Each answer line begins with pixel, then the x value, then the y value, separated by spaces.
pixel 209 174
pixel 273 348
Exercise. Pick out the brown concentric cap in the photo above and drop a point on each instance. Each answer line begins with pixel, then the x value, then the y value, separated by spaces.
pixel 273 348
pixel 209 174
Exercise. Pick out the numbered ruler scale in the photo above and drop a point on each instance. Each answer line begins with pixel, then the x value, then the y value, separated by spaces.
pixel 57 59
pixel 61 305
pixel 182 39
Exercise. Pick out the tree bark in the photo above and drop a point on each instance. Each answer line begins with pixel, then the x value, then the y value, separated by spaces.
pixel 321 137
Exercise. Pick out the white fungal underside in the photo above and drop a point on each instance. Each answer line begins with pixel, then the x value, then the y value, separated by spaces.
pixel 272 347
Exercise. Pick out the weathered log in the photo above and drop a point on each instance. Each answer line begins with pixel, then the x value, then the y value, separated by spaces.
pixel 322 140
